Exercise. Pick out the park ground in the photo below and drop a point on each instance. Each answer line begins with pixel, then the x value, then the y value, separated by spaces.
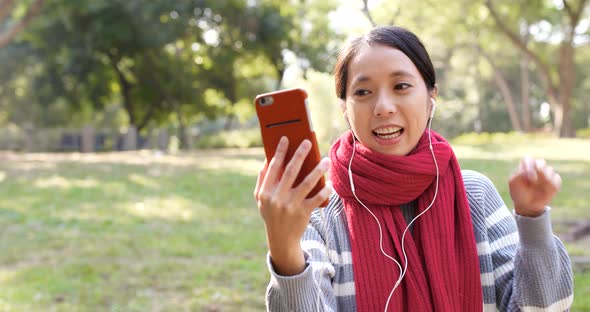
pixel 146 231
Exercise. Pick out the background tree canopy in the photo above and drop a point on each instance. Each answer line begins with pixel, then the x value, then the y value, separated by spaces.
pixel 502 65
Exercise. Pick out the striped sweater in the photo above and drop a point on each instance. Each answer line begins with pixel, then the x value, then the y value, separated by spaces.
pixel 523 266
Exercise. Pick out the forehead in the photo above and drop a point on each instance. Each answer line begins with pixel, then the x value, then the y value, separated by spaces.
pixel 379 59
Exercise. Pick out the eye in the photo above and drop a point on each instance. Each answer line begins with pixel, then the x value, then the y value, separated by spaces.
pixel 361 92
pixel 402 86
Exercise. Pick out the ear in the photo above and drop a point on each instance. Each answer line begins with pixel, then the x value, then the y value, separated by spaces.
pixel 342 104
pixel 433 95
pixel 434 92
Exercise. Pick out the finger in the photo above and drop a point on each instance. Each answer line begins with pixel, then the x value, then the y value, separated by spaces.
pixel 294 166
pixel 260 178
pixel 319 198
pixel 276 163
pixel 557 181
pixel 540 163
pixel 545 173
pixel 312 179
pixel 549 175
pixel 519 174
pixel 530 168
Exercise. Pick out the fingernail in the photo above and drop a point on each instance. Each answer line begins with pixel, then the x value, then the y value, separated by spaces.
pixel 325 163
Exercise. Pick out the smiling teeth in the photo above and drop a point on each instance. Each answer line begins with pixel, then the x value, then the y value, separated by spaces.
pixel 389 132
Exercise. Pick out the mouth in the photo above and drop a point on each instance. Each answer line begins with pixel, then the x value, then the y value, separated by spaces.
pixel 388 133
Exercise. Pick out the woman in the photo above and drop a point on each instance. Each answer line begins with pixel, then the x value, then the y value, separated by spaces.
pixel 406 229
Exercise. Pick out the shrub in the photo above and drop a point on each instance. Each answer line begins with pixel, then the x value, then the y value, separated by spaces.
pixel 583 133
pixel 473 138
pixel 242 138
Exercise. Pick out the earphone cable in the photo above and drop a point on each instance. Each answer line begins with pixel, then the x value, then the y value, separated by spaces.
pixel 405 268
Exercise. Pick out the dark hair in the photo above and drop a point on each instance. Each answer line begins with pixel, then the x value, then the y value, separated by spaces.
pixel 393 36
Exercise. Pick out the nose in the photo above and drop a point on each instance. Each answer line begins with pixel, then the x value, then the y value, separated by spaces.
pixel 385 105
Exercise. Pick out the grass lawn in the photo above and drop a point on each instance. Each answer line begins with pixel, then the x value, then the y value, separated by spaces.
pixel 146 232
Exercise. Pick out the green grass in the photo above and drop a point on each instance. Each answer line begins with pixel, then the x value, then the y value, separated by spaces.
pixel 147 232
pixel 130 233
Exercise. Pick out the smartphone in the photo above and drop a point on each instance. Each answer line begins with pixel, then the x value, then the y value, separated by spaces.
pixel 286 113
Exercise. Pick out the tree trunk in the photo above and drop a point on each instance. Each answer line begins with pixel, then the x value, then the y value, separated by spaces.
pixel 181 125
pixel 150 113
pixel 559 94
pixel 507 96
pixel 525 88
pixel 280 74
pixel 5 7
pixel 232 97
pixel 505 91
pixel 367 13
pixel 477 123
pixel 228 122
pixel 125 91
pixel 567 73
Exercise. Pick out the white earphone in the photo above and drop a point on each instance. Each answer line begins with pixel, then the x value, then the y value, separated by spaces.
pixel 433 107
pixel 405 267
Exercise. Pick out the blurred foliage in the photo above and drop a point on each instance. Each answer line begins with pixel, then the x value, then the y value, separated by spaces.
pixel 583 133
pixel 468 49
pixel 484 138
pixel 186 64
pixel 234 138
pixel 159 62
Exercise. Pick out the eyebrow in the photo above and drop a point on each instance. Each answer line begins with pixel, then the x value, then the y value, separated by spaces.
pixel 397 73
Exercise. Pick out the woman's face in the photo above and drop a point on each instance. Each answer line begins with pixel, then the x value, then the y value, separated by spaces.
pixel 387 102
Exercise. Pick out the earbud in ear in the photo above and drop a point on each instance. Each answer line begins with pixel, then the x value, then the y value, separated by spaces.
pixel 346 120
pixel 432 108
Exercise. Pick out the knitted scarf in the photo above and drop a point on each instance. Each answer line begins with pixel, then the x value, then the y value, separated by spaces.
pixel 443 266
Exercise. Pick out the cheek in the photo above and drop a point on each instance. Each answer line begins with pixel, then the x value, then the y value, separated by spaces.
pixel 418 117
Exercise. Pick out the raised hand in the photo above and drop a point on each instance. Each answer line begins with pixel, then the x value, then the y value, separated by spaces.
pixel 284 208
pixel 532 186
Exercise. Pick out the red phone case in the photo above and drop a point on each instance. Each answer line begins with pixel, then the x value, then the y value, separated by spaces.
pixel 288 116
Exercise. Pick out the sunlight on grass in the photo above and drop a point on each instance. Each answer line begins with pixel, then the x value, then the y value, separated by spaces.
pixel 143 181
pixel 6 275
pixel 57 181
pixel 142 231
pixel 173 208
pixel 243 166
pixel 549 149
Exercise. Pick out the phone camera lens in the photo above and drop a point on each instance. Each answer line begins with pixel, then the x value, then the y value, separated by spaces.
pixel 267 100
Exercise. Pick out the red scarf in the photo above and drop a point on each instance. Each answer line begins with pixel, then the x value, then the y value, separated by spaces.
pixel 443 265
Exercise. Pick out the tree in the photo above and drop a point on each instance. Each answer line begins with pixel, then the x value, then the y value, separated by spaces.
pixel 161 63
pixel 6 7
pixel 451 26
pixel 96 53
pixel 256 38
pixel 558 79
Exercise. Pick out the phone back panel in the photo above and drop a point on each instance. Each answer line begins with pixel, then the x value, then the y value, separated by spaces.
pixel 288 116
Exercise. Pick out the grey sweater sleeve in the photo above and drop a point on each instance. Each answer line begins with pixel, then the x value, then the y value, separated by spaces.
pixel 310 290
pixel 543 273
pixel 531 268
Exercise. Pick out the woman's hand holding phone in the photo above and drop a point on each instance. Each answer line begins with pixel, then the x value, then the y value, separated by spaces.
pixel 284 208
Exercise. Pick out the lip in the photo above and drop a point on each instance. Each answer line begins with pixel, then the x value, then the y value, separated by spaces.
pixel 391 141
